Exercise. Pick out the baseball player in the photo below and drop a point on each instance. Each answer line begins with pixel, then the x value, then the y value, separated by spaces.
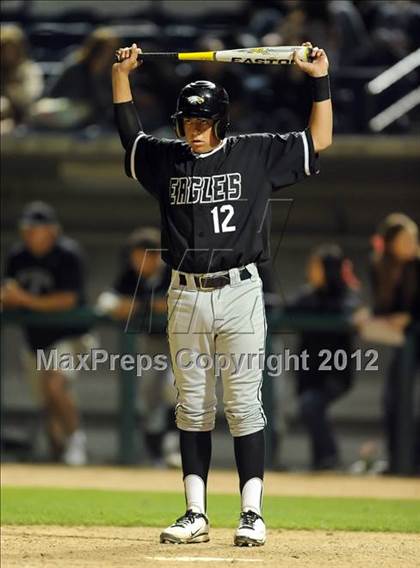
pixel 213 192
pixel 45 273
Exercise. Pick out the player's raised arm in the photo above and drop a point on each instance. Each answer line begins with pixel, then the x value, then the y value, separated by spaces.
pixel 126 117
pixel 321 119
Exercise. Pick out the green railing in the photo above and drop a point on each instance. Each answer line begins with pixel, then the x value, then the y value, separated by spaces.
pixel 277 323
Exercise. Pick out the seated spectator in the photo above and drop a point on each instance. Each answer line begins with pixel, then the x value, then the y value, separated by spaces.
pixel 346 28
pixel 331 290
pixel 44 273
pixel 21 79
pixel 396 298
pixel 139 291
pixel 83 89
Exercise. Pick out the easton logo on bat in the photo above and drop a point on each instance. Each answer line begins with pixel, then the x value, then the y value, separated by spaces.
pixel 273 61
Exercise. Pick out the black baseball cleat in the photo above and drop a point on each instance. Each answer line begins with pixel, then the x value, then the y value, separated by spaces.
pixel 251 530
pixel 191 527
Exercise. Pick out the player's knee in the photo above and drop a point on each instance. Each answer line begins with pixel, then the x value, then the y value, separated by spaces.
pixel 193 420
pixel 247 420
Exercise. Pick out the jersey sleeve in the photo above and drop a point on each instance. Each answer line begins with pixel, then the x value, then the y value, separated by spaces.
pixel 147 161
pixel 289 158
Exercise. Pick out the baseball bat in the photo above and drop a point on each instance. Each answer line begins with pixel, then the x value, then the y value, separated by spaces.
pixel 278 55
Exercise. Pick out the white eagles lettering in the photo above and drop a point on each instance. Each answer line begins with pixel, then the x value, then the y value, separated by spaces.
pixel 182 191
pixel 173 186
pixel 219 189
pixel 196 189
pixel 205 189
pixel 207 195
pixel 234 190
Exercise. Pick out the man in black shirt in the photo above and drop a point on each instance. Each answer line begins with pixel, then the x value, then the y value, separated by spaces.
pixel 138 293
pixel 44 273
pixel 214 193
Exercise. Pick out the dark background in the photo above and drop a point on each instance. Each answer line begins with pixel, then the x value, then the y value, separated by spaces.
pixel 364 176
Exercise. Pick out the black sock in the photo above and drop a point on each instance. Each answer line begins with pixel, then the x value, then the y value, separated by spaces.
pixel 196 453
pixel 249 455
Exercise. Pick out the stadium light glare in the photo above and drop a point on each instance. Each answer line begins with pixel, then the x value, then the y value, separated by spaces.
pixel 395 111
pixel 394 73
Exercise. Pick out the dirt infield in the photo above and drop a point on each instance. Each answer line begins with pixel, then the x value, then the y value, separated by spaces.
pixel 107 547
pixel 139 479
pixel 104 547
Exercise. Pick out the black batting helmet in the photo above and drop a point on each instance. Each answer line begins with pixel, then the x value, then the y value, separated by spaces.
pixel 202 99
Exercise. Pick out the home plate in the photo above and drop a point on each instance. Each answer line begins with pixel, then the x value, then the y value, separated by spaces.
pixel 200 559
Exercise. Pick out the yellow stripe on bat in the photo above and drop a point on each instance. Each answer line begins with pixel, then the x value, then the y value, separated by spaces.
pixel 307 54
pixel 197 56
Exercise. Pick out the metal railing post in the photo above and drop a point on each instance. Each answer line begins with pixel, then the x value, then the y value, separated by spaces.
pixel 127 408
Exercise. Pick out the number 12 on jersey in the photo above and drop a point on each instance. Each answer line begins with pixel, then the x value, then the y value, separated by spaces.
pixel 228 211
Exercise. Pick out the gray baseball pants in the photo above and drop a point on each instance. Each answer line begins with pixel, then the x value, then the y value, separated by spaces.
pixel 218 332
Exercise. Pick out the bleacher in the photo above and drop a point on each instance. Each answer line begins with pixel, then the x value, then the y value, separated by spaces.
pixel 54 30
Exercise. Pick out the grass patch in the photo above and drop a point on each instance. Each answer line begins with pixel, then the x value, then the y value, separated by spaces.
pixel 90 507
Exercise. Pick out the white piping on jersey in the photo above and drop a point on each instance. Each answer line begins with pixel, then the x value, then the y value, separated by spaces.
pixel 133 155
pixel 305 153
pixel 205 154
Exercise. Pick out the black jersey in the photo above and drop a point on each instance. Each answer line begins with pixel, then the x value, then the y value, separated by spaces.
pixel 60 270
pixel 129 283
pixel 145 291
pixel 214 206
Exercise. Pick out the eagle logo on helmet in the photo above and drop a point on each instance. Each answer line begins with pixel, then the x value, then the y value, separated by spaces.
pixel 195 100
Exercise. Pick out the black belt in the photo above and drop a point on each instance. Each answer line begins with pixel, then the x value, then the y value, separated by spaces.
pixel 210 282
